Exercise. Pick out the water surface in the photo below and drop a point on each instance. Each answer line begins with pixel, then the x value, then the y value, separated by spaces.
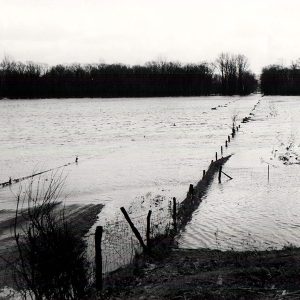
pixel 134 150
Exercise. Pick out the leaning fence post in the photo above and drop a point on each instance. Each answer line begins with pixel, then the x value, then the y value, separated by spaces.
pixel 98 257
pixel 133 228
pixel 220 173
pixel 226 175
pixel 174 215
pixel 148 228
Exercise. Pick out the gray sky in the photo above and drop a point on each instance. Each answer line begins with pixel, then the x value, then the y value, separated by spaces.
pixel 136 31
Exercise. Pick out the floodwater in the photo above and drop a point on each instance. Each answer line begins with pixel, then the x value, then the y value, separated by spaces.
pixel 134 150
pixel 255 210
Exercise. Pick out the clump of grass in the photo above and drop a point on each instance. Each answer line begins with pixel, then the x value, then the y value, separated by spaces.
pixel 289 247
pixel 161 246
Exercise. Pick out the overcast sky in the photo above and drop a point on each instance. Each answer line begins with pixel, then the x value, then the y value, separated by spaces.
pixel 136 31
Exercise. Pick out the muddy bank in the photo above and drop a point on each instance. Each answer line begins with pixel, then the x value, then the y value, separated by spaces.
pixel 211 274
pixel 81 218
pixel 195 196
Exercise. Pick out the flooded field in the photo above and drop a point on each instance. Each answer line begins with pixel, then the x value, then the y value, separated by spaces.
pixel 251 212
pixel 132 151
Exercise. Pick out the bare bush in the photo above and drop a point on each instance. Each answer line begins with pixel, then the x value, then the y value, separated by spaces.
pixel 51 262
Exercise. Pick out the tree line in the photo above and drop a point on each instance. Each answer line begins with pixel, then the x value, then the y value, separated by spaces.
pixel 280 80
pixel 228 75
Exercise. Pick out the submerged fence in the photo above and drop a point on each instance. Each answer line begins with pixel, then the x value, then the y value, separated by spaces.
pixel 117 243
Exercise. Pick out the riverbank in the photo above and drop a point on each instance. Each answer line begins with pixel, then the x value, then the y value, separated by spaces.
pixel 210 274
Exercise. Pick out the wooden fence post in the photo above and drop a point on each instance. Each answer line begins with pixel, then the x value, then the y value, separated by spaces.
pixel 191 189
pixel 221 150
pixel 174 215
pixel 148 229
pixel 98 257
pixel 220 173
pixel 133 228
pixel 226 175
pixel 229 139
pixel 203 173
pixel 226 145
pixel 216 156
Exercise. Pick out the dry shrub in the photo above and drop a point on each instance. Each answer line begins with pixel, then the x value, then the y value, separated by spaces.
pixel 51 262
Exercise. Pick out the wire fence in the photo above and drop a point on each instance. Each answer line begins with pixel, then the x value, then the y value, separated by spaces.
pixel 119 243
pixel 123 239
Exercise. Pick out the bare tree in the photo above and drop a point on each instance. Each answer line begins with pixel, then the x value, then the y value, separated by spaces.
pixel 235 77
pixel 242 68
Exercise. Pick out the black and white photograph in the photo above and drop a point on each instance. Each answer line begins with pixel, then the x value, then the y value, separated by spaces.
pixel 149 149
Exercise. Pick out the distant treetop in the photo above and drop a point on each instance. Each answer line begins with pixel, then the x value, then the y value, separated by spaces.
pixel 229 75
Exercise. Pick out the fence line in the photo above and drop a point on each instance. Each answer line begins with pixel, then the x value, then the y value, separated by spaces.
pixel 123 239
